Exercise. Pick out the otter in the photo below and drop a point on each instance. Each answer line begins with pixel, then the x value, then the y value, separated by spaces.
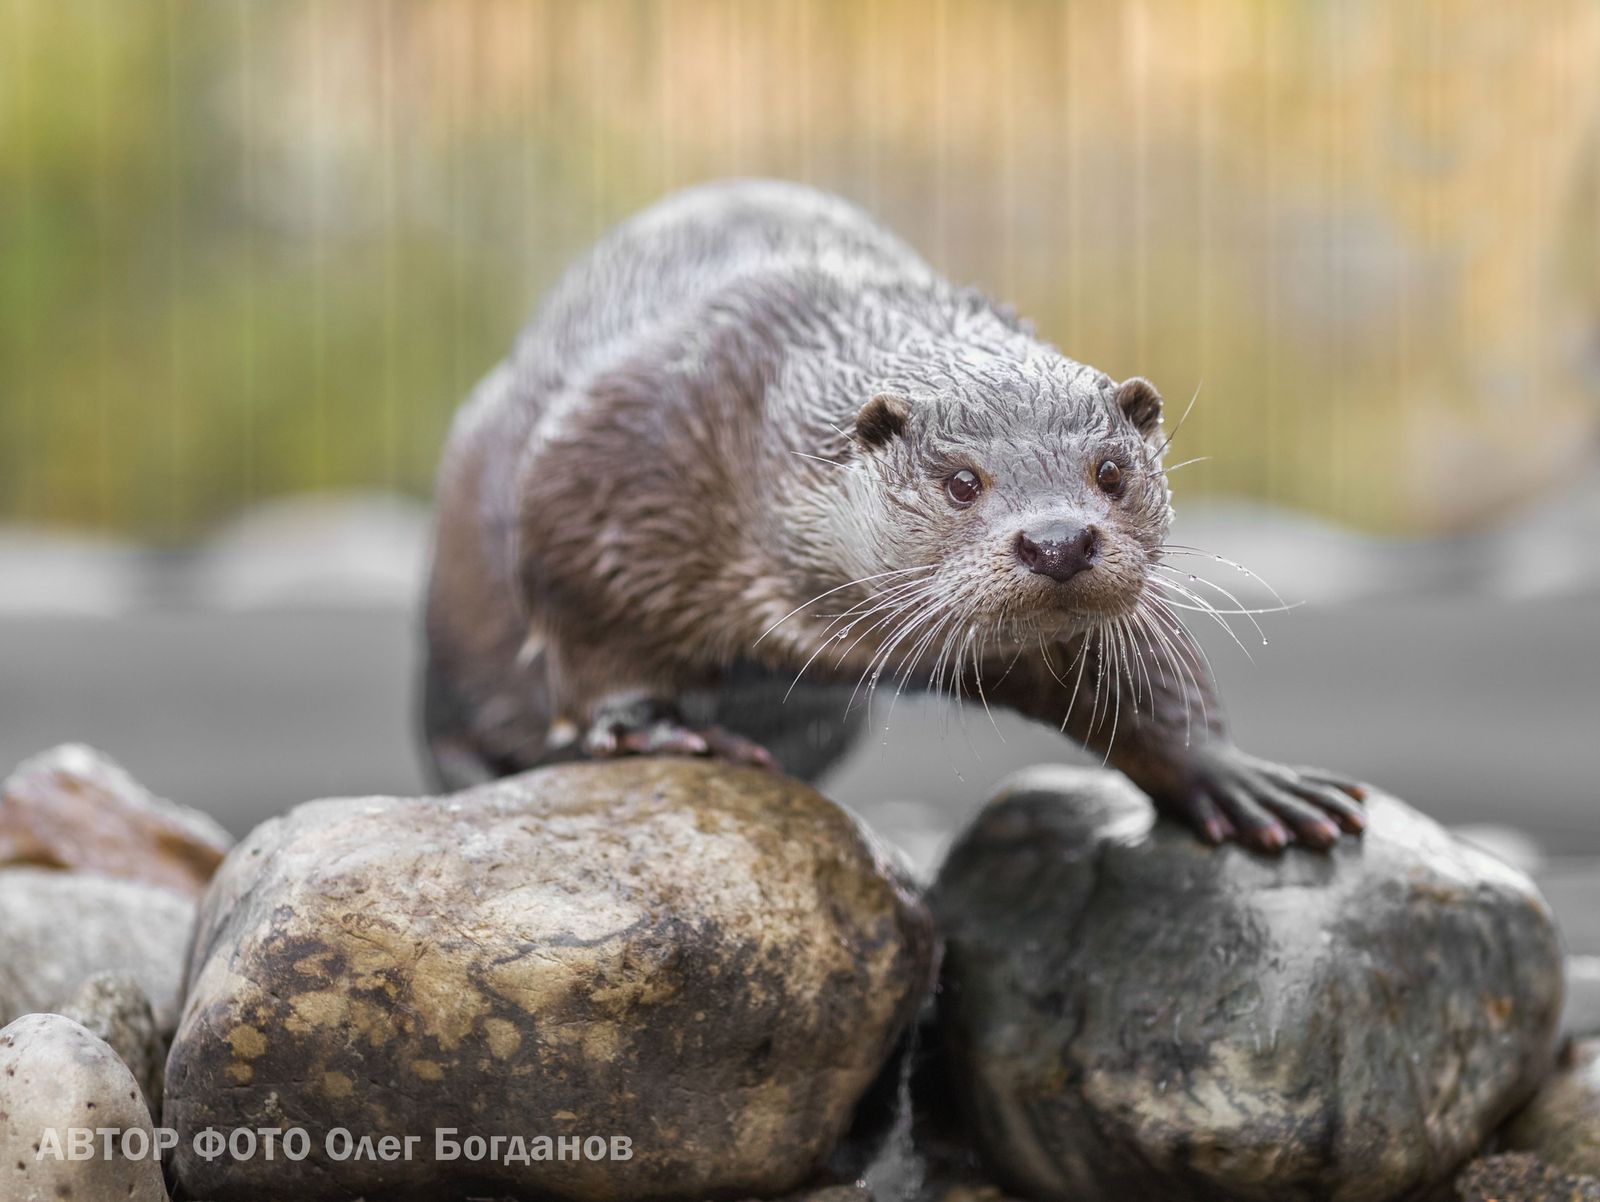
pixel 754 460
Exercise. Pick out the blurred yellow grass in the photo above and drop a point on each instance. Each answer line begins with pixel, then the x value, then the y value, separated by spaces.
pixel 253 247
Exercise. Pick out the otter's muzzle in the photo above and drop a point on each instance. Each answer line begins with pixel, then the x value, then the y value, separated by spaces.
pixel 1058 550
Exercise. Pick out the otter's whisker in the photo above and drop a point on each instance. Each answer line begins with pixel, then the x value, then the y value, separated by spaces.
pixel 928 567
pixel 944 630
pixel 892 604
pixel 1146 634
pixel 1095 716
pixel 1203 606
pixel 1167 442
pixel 1044 655
pixel 943 671
pixel 1167 471
pixel 1240 607
pixel 1178 640
pixel 820 459
pixel 1115 703
pixel 825 642
pixel 909 661
pixel 1131 636
pixel 1186 549
pixel 1082 658
pixel 880 658
pixel 1169 657
pixel 1016 657
pixel 1235 613
pixel 977 680
pixel 1130 656
pixel 896 616
pixel 1141 625
pixel 929 622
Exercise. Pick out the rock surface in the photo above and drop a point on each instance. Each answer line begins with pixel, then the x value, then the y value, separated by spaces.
pixel 1562 1123
pixel 711 962
pixel 1519 1177
pixel 75 808
pixel 56 1075
pixel 1134 1015
pixel 112 1007
pixel 58 929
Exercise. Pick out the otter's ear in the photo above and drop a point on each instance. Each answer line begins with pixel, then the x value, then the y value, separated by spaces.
pixel 882 418
pixel 1140 404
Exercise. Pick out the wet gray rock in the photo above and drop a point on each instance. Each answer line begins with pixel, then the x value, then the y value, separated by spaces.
pixel 1133 1015
pixel 115 1009
pixel 711 962
pixel 56 1075
pixel 58 929
pixel 1561 1124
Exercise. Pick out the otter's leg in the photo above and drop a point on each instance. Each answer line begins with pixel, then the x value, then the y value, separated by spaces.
pixel 751 715
pixel 1157 719
pixel 485 717
pixel 808 727
pixel 634 725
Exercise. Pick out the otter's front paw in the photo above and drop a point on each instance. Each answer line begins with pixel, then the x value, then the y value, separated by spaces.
pixel 1265 806
pixel 656 728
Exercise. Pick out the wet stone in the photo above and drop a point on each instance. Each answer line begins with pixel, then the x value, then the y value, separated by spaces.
pixel 59 929
pixel 1561 1125
pixel 713 963
pixel 1131 1014
pixel 55 1076
pixel 114 1008
pixel 76 809
pixel 1519 1177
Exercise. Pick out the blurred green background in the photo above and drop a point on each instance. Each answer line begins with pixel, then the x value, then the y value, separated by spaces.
pixel 249 248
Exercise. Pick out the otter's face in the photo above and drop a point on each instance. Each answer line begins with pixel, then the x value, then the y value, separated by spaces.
pixel 1037 514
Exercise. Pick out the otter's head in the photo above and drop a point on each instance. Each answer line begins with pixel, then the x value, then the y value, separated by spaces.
pixel 1023 511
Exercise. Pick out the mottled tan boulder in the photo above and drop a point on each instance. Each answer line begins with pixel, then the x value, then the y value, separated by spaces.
pixel 1562 1123
pixel 74 808
pixel 709 962
pixel 56 1076
pixel 1133 1014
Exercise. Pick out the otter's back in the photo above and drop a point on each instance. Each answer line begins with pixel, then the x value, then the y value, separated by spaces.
pixel 657 268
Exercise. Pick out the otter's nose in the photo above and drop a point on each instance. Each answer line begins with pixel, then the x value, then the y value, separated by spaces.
pixel 1058 550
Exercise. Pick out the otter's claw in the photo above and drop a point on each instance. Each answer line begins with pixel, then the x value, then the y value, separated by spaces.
pixel 1267 806
pixel 654 730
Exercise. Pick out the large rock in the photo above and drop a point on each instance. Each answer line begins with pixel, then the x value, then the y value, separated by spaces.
pixel 75 808
pixel 56 1076
pixel 1135 1015
pixel 710 962
pixel 58 929
pixel 1562 1123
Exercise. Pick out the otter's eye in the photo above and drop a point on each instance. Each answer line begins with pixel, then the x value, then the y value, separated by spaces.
pixel 963 487
pixel 1109 478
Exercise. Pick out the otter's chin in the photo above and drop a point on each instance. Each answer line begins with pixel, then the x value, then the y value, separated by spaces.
pixel 1082 603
